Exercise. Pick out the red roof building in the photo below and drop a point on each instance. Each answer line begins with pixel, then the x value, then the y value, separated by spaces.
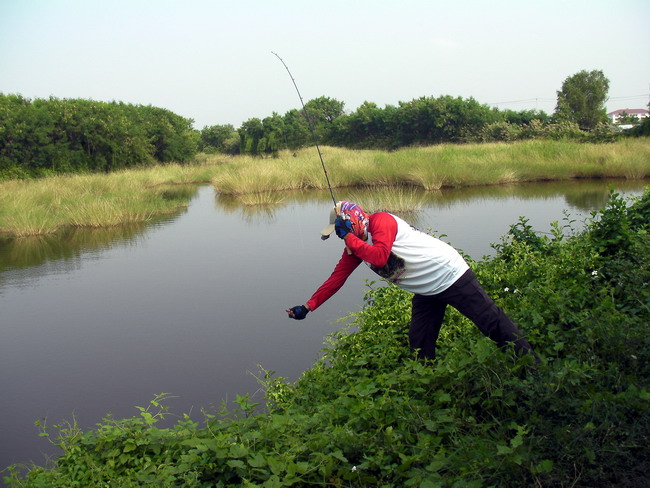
pixel 639 113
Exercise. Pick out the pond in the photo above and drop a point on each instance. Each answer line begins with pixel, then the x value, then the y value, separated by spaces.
pixel 99 321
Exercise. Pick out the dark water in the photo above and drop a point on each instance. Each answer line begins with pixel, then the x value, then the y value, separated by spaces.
pixel 93 322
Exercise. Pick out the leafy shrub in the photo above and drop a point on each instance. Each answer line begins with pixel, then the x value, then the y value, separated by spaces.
pixel 603 133
pixel 11 171
pixel 500 132
pixel 564 130
pixel 368 414
pixel 536 129
pixel 74 135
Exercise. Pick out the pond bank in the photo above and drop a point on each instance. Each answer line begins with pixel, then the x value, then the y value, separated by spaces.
pixel 45 206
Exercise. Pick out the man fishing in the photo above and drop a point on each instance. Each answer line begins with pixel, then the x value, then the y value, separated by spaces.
pixel 417 262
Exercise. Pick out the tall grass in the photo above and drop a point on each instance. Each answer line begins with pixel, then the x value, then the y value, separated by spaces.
pixel 399 200
pixel 442 166
pixel 48 205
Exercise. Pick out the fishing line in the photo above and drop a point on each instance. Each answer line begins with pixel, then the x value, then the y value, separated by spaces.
pixel 311 127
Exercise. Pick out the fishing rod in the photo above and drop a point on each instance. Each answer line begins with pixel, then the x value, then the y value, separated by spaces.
pixel 311 127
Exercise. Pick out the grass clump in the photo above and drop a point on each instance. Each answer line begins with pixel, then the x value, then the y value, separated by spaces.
pixel 441 166
pixel 50 204
pixel 368 414
pixel 45 206
pixel 399 200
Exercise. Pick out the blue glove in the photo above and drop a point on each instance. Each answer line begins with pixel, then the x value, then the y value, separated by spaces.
pixel 298 312
pixel 342 226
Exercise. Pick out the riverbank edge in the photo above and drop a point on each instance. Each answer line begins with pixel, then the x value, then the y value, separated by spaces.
pixel 47 206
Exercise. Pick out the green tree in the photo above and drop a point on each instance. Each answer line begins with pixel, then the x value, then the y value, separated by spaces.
pixel 250 134
pixel 367 127
pixel 428 120
pixel 323 111
pixel 296 132
pixel 217 138
pixel 274 135
pixel 643 129
pixel 71 135
pixel 524 117
pixel 625 118
pixel 582 99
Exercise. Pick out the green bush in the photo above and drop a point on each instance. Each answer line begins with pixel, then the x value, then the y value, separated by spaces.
pixel 500 132
pixel 52 136
pixel 368 414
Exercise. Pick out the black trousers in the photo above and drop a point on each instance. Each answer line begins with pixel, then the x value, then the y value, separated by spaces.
pixel 468 297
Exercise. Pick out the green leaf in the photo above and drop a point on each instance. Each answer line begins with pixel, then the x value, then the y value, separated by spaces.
pixel 431 484
pixel 238 451
pixel 257 461
pixel 545 466
pixel 236 463
pixel 339 455
pixel 277 466
pixel 113 453
pixel 273 482
pixel 443 397
pixel 503 450
pixel 436 465
pixel 129 447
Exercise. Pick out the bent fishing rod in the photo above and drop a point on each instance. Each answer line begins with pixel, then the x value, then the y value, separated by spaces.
pixel 311 127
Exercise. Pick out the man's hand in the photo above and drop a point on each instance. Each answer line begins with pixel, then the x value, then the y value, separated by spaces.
pixel 298 312
pixel 342 226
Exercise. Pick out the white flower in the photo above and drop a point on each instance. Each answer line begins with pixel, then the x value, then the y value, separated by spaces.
pixel 506 289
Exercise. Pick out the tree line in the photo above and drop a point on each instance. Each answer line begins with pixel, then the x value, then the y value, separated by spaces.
pixel 580 114
pixel 422 121
pixel 44 136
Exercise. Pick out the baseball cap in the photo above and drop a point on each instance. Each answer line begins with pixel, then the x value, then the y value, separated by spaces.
pixel 325 233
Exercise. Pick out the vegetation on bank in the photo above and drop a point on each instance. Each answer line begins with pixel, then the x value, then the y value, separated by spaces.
pixel 48 205
pixel 367 414
pixel 440 166
pixel 54 136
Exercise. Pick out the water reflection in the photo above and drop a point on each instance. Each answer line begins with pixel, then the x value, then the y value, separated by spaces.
pixel 69 245
pixel 65 250
pixel 588 200
pixel 408 202
pixel 261 213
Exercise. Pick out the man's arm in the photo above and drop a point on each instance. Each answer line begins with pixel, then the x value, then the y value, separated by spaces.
pixel 383 229
pixel 344 268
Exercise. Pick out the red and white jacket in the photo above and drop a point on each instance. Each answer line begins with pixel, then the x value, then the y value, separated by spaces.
pixel 400 253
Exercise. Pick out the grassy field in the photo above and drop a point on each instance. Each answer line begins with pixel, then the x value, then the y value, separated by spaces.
pixel 44 206
pixel 436 167
pixel 99 200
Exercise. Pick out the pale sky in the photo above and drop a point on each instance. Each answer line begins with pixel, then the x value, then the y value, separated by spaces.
pixel 211 60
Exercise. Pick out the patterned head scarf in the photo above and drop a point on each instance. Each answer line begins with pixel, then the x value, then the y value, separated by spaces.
pixel 352 212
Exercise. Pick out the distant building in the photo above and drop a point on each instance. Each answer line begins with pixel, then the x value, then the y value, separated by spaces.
pixel 639 113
